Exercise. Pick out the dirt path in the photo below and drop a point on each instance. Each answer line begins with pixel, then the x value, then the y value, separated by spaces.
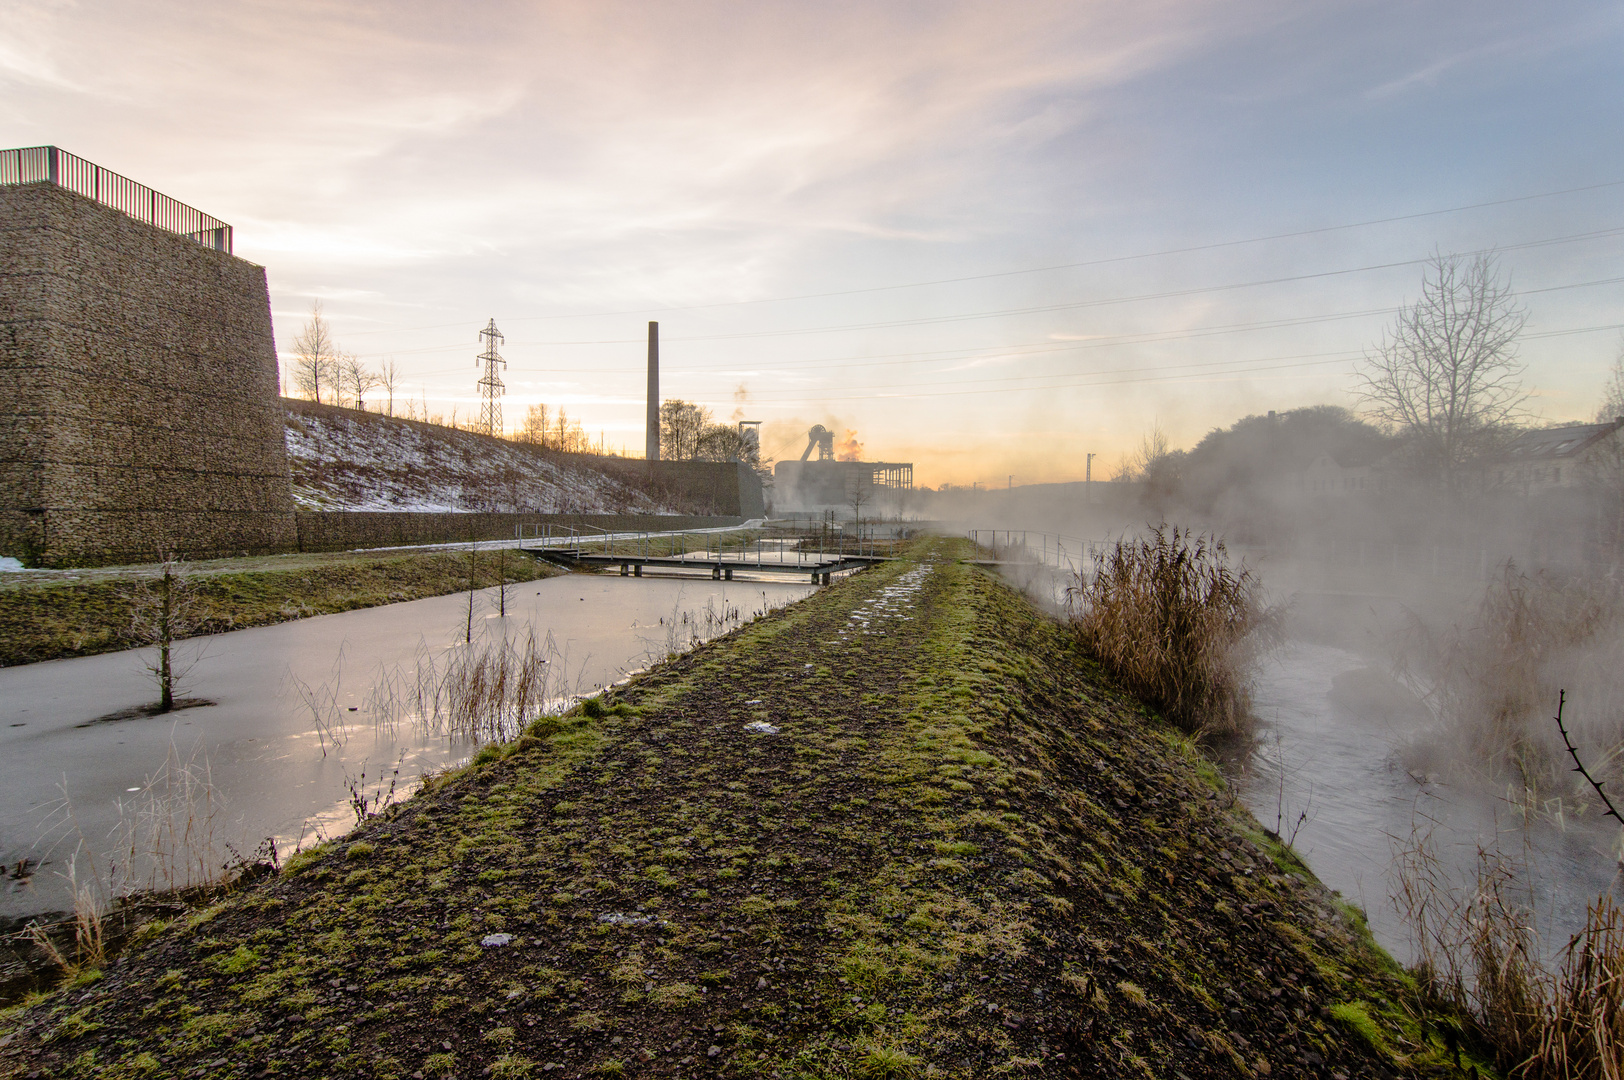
pixel 899 829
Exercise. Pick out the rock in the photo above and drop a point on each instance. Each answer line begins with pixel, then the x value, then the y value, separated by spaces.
pixel 713 1051
pixel 761 983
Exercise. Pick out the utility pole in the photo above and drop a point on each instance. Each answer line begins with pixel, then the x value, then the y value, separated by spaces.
pixel 1088 470
pixel 490 385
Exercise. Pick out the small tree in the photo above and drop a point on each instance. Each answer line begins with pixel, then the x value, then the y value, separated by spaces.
pixel 860 496
pixel 473 585
pixel 389 379
pixel 315 356
pixel 354 379
pixel 165 611
pixel 725 442
pixel 1446 374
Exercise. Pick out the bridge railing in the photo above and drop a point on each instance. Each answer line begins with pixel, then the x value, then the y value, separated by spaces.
pixel 52 165
pixel 1069 555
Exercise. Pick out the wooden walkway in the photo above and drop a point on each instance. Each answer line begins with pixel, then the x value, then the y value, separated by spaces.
pixel 820 569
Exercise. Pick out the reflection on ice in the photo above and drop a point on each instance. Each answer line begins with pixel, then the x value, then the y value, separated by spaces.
pixel 313 718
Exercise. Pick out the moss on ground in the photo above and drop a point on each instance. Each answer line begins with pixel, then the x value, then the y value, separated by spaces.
pixel 961 854
pixel 46 615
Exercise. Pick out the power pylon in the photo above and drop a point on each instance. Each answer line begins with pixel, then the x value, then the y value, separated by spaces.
pixel 490 386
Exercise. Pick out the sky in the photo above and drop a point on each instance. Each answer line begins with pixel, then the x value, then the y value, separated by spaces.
pixel 986 238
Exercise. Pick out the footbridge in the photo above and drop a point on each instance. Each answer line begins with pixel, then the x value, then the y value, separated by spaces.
pixel 818 554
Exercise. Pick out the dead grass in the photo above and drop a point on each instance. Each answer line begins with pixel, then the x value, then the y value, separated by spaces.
pixel 1180 626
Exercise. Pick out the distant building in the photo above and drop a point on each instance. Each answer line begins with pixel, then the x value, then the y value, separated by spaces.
pixel 1326 477
pixel 1551 457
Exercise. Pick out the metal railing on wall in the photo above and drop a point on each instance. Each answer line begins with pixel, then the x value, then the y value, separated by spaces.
pixel 51 165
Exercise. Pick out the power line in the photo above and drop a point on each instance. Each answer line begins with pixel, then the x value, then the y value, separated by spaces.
pixel 1048 346
pixel 1108 261
pixel 1082 304
pixel 1207 371
pixel 1334 358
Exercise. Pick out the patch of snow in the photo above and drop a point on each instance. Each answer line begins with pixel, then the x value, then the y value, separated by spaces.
pixel 9 564
pixel 615 918
pixel 760 727
pixel 493 941
pixel 375 463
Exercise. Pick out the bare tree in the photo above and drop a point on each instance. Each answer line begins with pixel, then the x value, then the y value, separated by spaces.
pixel 165 610
pixel 1153 447
pixel 354 379
pixel 1447 373
pixel 1602 468
pixel 389 379
pixel 534 428
pixel 1612 391
pixel 315 356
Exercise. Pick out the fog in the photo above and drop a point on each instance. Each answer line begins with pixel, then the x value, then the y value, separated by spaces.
pixel 1429 632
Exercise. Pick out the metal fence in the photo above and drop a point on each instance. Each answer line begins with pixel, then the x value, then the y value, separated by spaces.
pixel 48 164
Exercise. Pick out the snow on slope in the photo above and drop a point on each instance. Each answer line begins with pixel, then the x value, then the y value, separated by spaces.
pixel 346 460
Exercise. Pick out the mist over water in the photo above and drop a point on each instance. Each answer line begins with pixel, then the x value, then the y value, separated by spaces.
pixel 1427 636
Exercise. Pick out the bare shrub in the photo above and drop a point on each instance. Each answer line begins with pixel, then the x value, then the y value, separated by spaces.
pixel 1489 683
pixel 1172 619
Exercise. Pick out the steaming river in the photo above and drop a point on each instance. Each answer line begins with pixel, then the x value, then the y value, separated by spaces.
pixel 272 769
pixel 1335 745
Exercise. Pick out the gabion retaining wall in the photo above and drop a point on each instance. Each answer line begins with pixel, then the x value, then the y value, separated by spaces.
pixel 138 391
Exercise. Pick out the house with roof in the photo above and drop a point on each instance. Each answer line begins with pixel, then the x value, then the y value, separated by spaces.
pixel 1552 458
pixel 1326 477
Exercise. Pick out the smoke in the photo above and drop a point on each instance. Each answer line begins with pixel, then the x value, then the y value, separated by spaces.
pixel 849 449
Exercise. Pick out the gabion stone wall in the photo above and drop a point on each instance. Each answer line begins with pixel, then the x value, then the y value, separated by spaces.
pixel 138 391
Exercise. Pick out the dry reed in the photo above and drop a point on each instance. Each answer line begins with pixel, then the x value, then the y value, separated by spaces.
pixel 168 836
pixel 166 840
pixel 1478 955
pixel 88 922
pixel 482 693
pixel 1172 619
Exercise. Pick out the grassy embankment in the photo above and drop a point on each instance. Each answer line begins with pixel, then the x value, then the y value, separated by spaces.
pixel 962 854
pixel 44 616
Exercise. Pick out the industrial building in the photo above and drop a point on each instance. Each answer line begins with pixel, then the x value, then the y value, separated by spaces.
pixel 822 483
